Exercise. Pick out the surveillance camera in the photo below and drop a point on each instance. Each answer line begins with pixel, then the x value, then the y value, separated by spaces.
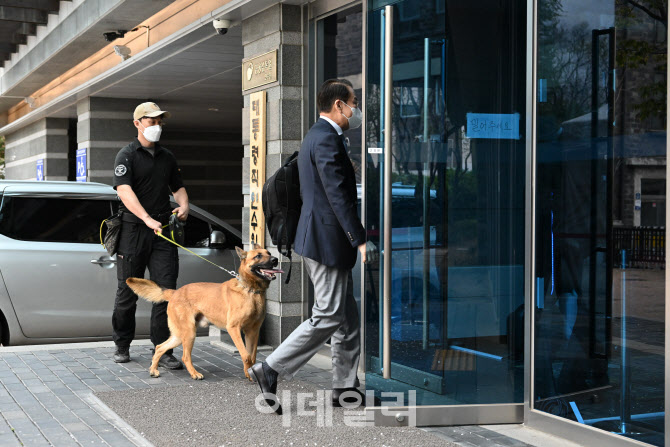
pixel 113 35
pixel 221 26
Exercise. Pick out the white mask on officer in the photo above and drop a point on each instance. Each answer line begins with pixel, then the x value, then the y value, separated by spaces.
pixel 152 133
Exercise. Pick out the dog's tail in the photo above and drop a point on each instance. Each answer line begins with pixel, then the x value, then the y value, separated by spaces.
pixel 149 290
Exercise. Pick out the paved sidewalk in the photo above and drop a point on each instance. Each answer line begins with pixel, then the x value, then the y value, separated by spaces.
pixel 48 397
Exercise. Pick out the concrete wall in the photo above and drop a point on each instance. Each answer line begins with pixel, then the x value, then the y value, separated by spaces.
pixel 104 126
pixel 45 139
pixel 211 166
pixel 278 27
pixel 70 37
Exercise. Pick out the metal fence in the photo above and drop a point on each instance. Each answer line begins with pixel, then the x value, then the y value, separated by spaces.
pixel 645 246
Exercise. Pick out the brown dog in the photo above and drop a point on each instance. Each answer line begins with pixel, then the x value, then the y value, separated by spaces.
pixel 236 305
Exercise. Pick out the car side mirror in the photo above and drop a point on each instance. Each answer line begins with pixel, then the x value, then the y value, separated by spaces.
pixel 217 239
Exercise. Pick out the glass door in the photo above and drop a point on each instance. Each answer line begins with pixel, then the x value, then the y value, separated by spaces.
pixel 599 352
pixel 444 185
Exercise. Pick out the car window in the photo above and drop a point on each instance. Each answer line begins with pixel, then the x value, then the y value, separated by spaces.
pixel 197 231
pixel 407 211
pixel 53 219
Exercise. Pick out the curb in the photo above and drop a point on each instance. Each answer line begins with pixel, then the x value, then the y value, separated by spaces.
pixel 114 419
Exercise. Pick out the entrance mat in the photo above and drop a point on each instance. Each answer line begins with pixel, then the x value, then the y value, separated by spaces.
pixel 224 413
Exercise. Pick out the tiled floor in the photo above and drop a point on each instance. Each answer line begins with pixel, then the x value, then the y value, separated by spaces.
pixel 47 393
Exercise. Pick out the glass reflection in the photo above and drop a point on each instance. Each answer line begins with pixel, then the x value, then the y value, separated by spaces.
pixel 601 154
pixel 338 55
pixel 457 198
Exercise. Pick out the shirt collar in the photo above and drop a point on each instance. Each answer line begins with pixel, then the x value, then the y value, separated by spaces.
pixel 138 145
pixel 337 128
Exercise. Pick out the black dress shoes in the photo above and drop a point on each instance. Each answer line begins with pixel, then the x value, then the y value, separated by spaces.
pixel 266 378
pixel 348 398
pixel 122 354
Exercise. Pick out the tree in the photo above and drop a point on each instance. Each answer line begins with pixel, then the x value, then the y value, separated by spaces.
pixel 642 58
pixel 569 71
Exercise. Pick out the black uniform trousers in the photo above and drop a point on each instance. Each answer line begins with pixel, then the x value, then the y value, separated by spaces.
pixel 139 249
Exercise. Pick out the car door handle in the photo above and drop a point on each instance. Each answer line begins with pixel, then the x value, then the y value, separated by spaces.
pixel 103 261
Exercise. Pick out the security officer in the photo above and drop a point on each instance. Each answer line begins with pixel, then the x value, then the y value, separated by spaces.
pixel 145 173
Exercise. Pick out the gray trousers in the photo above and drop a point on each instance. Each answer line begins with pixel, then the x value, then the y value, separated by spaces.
pixel 334 316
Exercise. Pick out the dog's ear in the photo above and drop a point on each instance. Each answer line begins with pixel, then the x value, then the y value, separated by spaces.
pixel 241 253
pixel 257 247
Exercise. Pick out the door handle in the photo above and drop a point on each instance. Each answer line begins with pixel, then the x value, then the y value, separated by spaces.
pixel 103 261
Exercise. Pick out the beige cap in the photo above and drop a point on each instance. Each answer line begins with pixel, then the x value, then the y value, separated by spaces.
pixel 149 109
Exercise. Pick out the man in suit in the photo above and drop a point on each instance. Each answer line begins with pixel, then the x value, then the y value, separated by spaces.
pixel 328 236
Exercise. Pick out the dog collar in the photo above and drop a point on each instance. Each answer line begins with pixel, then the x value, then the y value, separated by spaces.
pixel 244 286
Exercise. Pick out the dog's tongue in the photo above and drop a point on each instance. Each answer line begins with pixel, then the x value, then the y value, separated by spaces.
pixel 273 271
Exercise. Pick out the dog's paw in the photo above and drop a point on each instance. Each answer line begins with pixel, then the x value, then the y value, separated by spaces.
pixel 154 373
pixel 197 376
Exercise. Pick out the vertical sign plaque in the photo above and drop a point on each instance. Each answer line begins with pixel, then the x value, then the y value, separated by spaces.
pixel 257 167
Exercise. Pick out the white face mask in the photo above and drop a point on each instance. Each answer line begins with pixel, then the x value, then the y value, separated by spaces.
pixel 152 133
pixel 356 117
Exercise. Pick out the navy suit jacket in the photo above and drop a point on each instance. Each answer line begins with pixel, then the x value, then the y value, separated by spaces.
pixel 329 230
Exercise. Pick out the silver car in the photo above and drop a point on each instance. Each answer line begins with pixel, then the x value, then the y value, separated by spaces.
pixel 57 282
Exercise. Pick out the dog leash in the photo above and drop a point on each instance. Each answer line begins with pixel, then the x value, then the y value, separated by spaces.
pixel 231 273
pixel 103 223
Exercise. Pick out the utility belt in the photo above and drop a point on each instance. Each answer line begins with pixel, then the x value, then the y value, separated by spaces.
pixel 167 219
pixel 163 218
pixel 114 224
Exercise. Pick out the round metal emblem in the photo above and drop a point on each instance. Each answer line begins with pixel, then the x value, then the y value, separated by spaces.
pixel 120 170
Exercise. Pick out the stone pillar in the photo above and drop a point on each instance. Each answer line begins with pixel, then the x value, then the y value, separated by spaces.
pixel 277 28
pixel 46 139
pixel 104 126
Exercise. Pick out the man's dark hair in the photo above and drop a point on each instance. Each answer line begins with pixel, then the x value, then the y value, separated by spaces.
pixel 331 91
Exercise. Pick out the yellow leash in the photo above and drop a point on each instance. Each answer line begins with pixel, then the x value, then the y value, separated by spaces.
pixel 173 242
pixel 207 260
pixel 102 243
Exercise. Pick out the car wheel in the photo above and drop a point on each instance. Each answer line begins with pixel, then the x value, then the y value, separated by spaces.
pixel 4 331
